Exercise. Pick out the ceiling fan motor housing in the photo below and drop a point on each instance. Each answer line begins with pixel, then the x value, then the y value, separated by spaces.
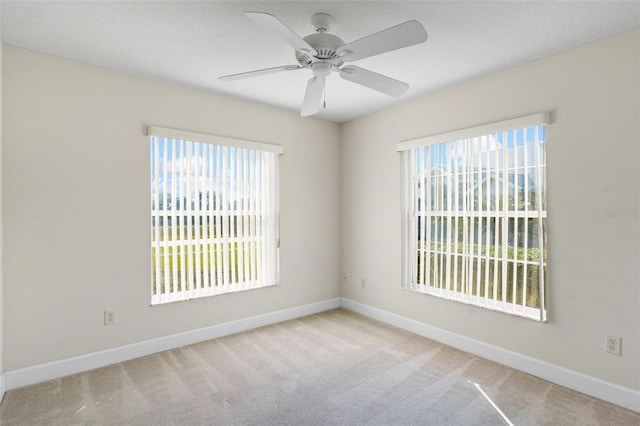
pixel 325 44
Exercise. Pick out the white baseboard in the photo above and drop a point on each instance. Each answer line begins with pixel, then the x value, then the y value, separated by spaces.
pixel 580 382
pixel 77 364
pixel 2 389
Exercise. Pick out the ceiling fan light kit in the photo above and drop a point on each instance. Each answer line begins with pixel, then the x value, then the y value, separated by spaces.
pixel 324 53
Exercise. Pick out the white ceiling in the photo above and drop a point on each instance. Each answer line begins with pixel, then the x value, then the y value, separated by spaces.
pixel 194 42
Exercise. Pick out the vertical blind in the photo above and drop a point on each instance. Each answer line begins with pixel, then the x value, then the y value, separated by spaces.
pixel 474 216
pixel 214 215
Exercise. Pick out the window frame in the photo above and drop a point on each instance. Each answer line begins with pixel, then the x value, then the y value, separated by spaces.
pixel 218 224
pixel 410 222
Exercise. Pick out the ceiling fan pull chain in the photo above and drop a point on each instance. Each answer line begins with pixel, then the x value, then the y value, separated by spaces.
pixel 324 97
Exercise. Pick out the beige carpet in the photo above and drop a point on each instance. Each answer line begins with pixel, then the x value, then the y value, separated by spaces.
pixel 334 368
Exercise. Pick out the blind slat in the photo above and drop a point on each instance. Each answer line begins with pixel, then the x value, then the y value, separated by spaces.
pixel 155 159
pixel 174 220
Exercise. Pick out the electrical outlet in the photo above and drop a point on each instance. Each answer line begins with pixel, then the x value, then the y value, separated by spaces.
pixel 364 283
pixel 109 318
pixel 614 345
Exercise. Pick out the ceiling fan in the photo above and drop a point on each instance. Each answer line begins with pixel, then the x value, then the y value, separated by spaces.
pixel 323 53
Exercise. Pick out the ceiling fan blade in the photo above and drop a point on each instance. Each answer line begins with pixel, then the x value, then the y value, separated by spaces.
pixel 313 96
pixel 273 24
pixel 372 80
pixel 402 35
pixel 259 72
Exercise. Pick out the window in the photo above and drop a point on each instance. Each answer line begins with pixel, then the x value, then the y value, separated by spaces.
pixel 214 215
pixel 474 216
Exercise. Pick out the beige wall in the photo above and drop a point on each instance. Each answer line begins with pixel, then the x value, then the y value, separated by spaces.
pixel 593 166
pixel 77 234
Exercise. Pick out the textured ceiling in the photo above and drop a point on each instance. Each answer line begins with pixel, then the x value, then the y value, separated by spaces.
pixel 193 43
